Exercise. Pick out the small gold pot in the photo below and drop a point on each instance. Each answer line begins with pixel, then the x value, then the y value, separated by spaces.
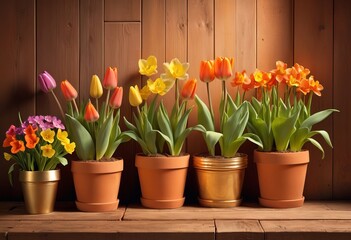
pixel 220 180
pixel 39 190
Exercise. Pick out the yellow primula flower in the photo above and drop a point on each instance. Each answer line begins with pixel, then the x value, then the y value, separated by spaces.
pixel 7 156
pixel 48 151
pixel 48 135
pixel 148 67
pixel 157 86
pixel 145 92
pixel 69 147
pixel 62 136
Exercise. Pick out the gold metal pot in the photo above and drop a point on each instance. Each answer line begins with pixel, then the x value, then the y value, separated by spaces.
pixel 39 190
pixel 220 180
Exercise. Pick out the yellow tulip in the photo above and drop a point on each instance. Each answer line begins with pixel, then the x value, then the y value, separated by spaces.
pixel 95 87
pixel 134 96
pixel 148 67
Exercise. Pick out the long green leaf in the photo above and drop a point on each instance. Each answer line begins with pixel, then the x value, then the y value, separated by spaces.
pixel 164 123
pixel 211 139
pixel 204 115
pixel 316 144
pixel 282 129
pixel 102 137
pixel 317 117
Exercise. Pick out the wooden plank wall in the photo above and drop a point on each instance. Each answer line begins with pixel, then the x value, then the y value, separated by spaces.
pixel 75 39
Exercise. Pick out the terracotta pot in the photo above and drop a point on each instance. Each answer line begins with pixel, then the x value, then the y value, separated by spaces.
pixel 39 190
pixel 220 180
pixel 97 184
pixel 162 180
pixel 281 177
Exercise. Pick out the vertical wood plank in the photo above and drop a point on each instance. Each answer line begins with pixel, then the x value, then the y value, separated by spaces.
pixel 122 49
pixel 17 68
pixel 313 48
pixel 91 43
pixel 122 11
pixel 341 93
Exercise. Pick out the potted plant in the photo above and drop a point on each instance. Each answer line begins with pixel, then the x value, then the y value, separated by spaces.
pixel 96 132
pixel 162 174
pixel 280 115
pixel 38 145
pixel 220 176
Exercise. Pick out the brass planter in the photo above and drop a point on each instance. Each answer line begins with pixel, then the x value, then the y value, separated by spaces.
pixel 220 180
pixel 39 190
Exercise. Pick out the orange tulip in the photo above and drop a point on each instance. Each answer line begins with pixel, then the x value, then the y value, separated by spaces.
pixel 223 67
pixel 17 146
pixel 68 91
pixel 207 71
pixel 110 79
pixel 189 89
pixel 116 98
pixel 91 115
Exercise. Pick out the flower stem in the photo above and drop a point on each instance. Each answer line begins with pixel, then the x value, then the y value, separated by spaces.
pixel 58 103
pixel 107 100
pixel 224 90
pixel 177 94
pixel 97 104
pixel 210 100
pixel 309 103
pixel 75 106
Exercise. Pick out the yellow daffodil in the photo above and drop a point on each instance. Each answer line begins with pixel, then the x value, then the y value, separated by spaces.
pixel 62 136
pixel 48 151
pixel 7 156
pixel 157 87
pixel 176 70
pixel 95 87
pixel 148 67
pixel 134 96
pixel 145 92
pixel 69 147
pixel 48 135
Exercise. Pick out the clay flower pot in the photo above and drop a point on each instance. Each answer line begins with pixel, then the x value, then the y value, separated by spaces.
pixel 220 180
pixel 281 177
pixel 162 180
pixel 39 190
pixel 97 184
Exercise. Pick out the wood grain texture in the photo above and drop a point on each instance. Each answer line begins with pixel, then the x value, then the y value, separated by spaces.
pixel 123 11
pixel 18 73
pixel 91 44
pixel 341 127
pixel 238 229
pixel 313 48
pixel 122 49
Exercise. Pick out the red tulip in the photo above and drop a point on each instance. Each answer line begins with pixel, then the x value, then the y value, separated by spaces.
pixel 68 91
pixel 223 67
pixel 110 79
pixel 207 71
pixel 189 89
pixel 46 82
pixel 116 98
pixel 91 115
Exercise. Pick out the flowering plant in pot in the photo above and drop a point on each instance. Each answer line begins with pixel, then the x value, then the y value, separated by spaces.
pixel 96 132
pixel 38 145
pixel 162 173
pixel 213 170
pixel 280 115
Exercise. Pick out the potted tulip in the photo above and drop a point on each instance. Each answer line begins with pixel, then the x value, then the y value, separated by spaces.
pixel 96 132
pixel 38 146
pixel 284 122
pixel 162 174
pixel 220 176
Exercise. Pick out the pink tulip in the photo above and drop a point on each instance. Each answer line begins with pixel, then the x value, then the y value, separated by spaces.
pixel 46 82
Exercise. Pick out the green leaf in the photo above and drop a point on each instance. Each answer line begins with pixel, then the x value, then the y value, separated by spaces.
pixel 282 129
pixel 204 115
pixel 211 139
pixel 140 141
pixel 164 123
pixel 316 144
pixel 11 169
pixel 85 148
pixel 168 140
pixel 317 117
pixel 62 160
pixel 129 125
pixel 102 137
pixel 324 134
pixel 298 139
pixel 182 123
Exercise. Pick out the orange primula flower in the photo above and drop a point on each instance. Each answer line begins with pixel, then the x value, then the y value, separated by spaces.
pixel 315 86
pixel 260 78
pixel 29 130
pixel 240 79
pixel 9 138
pixel 304 86
pixel 17 146
pixel 31 140
pixel 280 74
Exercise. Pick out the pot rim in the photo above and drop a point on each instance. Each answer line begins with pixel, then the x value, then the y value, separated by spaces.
pixel 283 158
pixel 97 166
pixel 220 163
pixel 40 176
pixel 162 162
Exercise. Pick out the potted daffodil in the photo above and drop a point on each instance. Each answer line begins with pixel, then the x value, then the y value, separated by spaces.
pixel 38 146
pixel 162 173
pixel 220 175
pixel 280 114
pixel 94 127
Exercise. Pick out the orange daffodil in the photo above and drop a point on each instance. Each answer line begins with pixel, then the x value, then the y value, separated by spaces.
pixel 153 126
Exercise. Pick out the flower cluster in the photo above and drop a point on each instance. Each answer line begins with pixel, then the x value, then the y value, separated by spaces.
pixel 38 144
pixel 95 131
pixel 153 126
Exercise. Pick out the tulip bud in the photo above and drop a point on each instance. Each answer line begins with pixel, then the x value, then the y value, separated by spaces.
pixel 116 98
pixel 95 87
pixel 134 96
pixel 68 91
pixel 189 89
pixel 207 71
pixel 46 82
pixel 91 115
pixel 223 67
pixel 110 79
